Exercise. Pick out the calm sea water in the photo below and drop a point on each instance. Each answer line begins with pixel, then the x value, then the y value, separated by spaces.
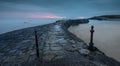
pixel 7 25
pixel 106 36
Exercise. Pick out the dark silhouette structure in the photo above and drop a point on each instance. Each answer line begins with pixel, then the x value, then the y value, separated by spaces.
pixel 91 47
pixel 36 42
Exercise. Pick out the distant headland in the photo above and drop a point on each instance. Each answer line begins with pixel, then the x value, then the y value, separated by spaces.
pixel 106 17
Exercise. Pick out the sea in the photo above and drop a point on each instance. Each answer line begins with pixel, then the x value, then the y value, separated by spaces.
pixel 7 25
pixel 106 36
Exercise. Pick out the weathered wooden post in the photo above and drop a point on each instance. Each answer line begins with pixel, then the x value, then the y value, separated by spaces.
pixel 91 47
pixel 36 42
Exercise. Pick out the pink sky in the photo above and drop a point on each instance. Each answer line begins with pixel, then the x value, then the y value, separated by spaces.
pixel 44 16
pixel 30 15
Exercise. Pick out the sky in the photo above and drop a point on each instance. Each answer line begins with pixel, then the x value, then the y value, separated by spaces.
pixel 19 14
pixel 56 9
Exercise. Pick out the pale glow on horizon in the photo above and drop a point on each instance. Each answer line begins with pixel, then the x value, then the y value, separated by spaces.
pixel 45 16
pixel 31 15
pixel 82 17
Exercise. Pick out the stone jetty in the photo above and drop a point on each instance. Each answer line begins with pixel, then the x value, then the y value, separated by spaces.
pixel 57 47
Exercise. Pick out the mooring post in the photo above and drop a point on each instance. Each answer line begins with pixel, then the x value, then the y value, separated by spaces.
pixel 36 42
pixel 91 47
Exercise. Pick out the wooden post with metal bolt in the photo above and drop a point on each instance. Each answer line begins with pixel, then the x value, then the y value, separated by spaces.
pixel 91 47
pixel 36 42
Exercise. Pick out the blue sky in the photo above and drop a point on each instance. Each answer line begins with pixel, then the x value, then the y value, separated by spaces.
pixel 57 8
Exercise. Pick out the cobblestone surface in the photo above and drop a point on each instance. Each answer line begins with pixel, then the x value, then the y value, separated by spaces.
pixel 56 47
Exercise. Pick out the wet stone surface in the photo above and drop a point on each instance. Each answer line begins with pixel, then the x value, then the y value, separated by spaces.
pixel 56 48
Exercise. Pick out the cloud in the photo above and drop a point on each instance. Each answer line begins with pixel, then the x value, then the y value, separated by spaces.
pixel 12 6
pixel 30 15
pixel 14 10
pixel 51 16
pixel 82 17
pixel 69 8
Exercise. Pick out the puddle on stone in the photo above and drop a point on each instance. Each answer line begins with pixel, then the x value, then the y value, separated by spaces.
pixel 61 40
pixel 57 28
